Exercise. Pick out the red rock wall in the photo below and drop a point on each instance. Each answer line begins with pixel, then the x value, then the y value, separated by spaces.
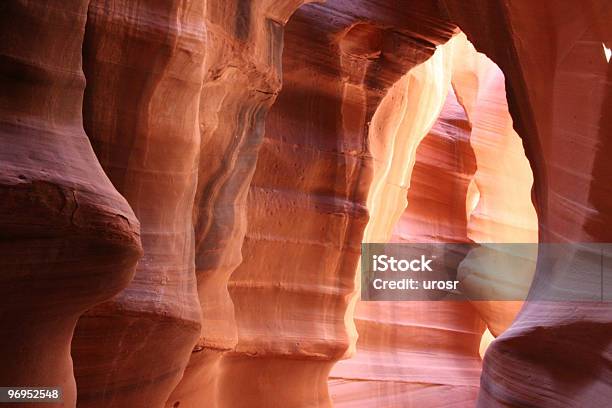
pixel 427 353
pixel 421 353
pixel 558 90
pixel 69 240
pixel 417 353
pixel 144 66
pixel 443 170
pixel 499 199
pixel 242 77
pixel 306 212
pixel 175 109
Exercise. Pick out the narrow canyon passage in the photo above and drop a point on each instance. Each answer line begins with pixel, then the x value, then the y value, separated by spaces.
pixel 186 185
pixel 306 206
pixel 420 353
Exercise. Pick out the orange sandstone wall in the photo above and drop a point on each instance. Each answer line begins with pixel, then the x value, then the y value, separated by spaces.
pixel 558 83
pixel 242 77
pixel 421 353
pixel 144 63
pixel 295 287
pixel 69 239
pixel 427 353
pixel 165 104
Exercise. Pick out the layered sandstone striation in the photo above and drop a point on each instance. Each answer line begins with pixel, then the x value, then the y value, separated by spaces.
pixel 69 239
pixel 428 353
pixel 306 212
pixel 242 77
pixel 144 67
pixel 558 83
pixel 499 197
pixel 257 144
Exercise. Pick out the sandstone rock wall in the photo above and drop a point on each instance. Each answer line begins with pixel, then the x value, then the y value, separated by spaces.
pixel 69 240
pixel 242 77
pixel 173 98
pixel 306 207
pixel 144 67
pixel 499 200
pixel 558 83
pixel 424 353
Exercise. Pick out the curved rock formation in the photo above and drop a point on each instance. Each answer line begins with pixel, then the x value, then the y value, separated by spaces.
pixel 444 168
pixel 132 350
pixel 242 76
pixel 69 240
pixel 557 93
pixel 307 201
pixel 174 97
pixel 503 211
pixel 408 349
pixel 417 353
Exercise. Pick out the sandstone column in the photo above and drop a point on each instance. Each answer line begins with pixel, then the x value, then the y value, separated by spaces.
pixel 242 76
pixel 69 240
pixel 306 213
pixel 144 66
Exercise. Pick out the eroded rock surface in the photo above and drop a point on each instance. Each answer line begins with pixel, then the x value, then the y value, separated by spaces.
pixel 174 98
pixel 242 77
pixel 144 67
pixel 69 240
pixel 307 212
pixel 406 350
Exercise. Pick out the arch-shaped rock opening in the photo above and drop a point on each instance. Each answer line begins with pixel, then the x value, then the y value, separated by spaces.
pixel 307 200
pixel 467 181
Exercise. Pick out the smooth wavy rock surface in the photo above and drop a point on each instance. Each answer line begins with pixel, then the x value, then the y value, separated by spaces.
pixel 185 185
pixel 306 212
pixel 69 240
pixel 137 58
pixel 448 186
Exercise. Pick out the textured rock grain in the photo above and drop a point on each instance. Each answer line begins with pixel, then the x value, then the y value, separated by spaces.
pixel 307 202
pixel 68 239
pixel 143 62
pixel 558 83
pixel 242 76
pixel 408 348
pixel 174 97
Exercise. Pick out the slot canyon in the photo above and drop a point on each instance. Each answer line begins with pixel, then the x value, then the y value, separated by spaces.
pixel 188 189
